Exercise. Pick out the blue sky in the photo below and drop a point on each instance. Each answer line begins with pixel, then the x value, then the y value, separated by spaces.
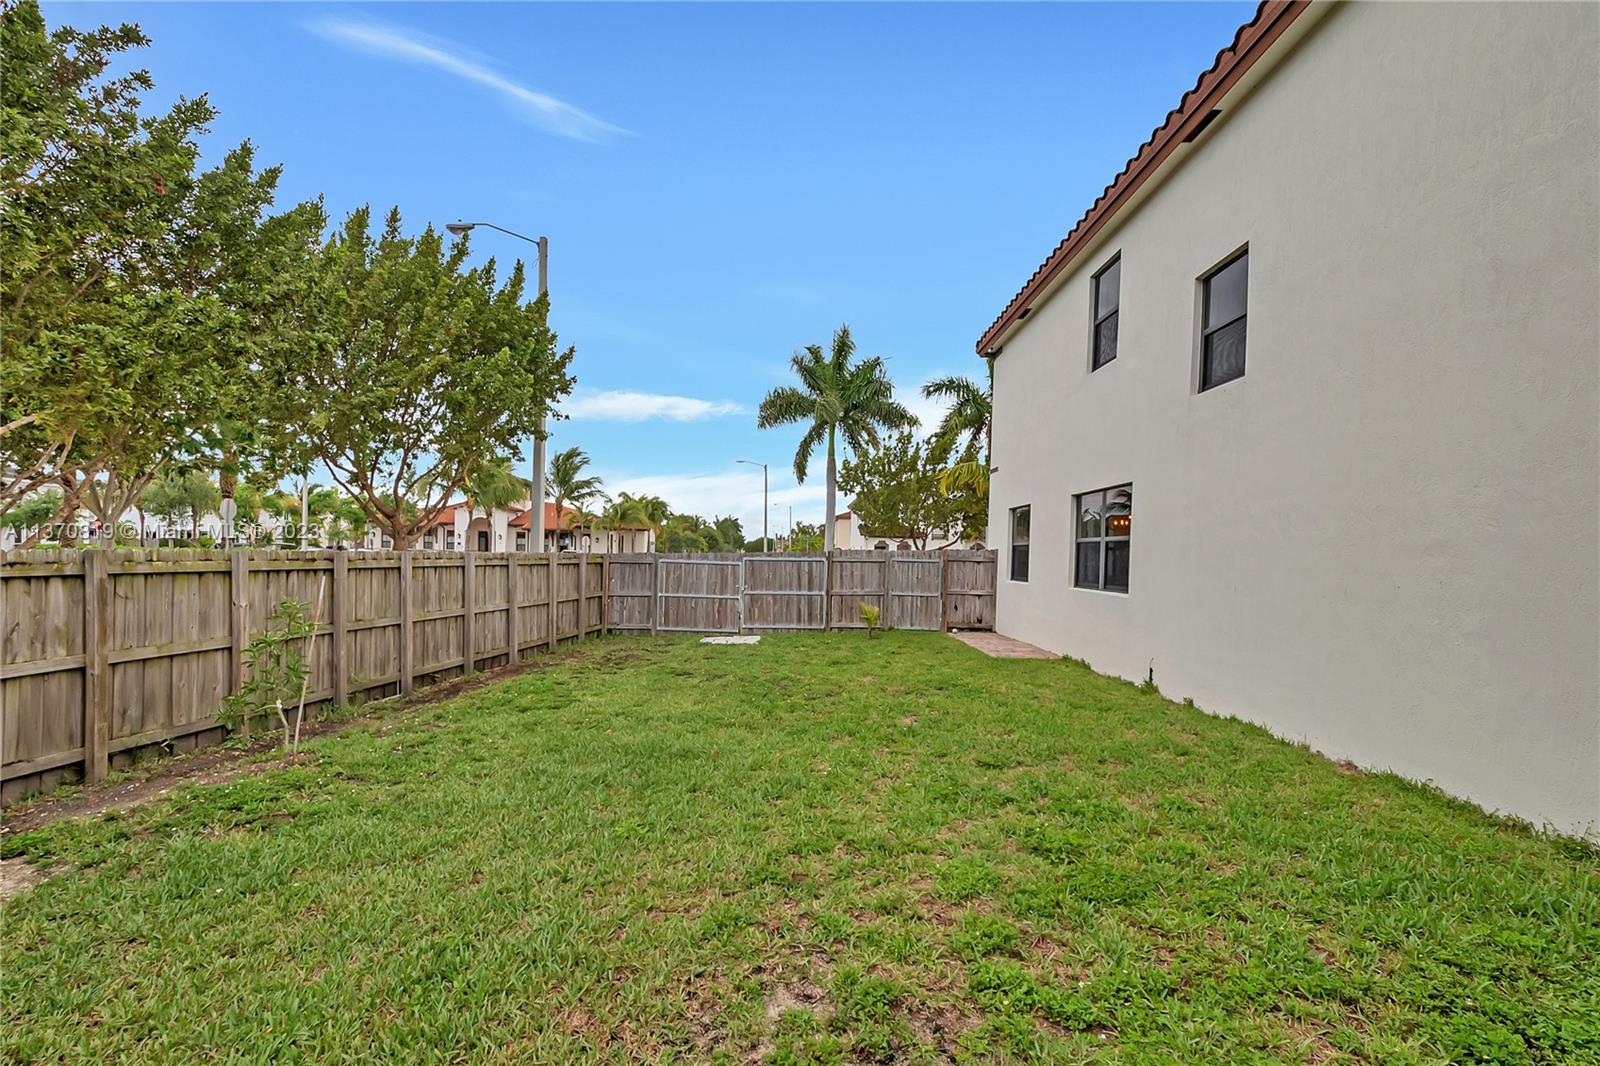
pixel 720 183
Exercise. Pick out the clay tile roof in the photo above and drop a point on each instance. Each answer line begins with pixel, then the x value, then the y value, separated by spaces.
pixel 1194 110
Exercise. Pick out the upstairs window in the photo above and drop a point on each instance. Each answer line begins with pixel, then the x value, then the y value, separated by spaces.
pixel 1107 299
pixel 1222 322
pixel 1104 536
pixel 1019 543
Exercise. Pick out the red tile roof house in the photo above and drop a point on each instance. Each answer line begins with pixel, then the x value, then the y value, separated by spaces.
pixel 567 532
pixel 1300 419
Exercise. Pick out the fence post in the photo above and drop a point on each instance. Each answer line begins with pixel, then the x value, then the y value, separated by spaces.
pixel 469 611
pixel 513 653
pixel 239 618
pixel 406 661
pixel 583 593
pixel 341 665
pixel 944 592
pixel 827 591
pixel 655 593
pixel 96 666
pixel 605 595
pixel 551 584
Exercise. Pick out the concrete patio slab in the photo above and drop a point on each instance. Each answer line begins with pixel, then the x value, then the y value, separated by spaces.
pixel 998 647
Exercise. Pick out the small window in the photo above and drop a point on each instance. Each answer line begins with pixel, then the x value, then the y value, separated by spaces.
pixel 1222 322
pixel 1107 301
pixel 1019 543
pixel 1104 531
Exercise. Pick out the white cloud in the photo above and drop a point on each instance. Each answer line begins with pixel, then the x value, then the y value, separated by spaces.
pixel 735 492
pixel 621 406
pixel 928 412
pixel 547 112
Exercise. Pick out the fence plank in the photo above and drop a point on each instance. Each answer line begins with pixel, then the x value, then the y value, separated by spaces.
pixel 97 667
pixel 469 611
pixel 341 633
pixel 408 663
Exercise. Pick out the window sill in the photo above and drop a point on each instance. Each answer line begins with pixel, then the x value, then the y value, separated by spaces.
pixel 1101 592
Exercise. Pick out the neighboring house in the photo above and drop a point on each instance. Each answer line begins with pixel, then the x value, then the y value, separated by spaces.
pixel 459 527
pixel 567 532
pixel 848 535
pixel 1337 471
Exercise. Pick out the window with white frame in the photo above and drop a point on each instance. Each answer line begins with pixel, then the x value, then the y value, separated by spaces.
pixel 1104 531
pixel 1224 303
pixel 1107 302
pixel 1021 520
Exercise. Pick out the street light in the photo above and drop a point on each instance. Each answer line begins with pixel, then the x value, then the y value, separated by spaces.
pixel 536 483
pixel 764 505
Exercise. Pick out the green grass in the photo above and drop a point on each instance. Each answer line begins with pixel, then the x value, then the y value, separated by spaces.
pixel 818 849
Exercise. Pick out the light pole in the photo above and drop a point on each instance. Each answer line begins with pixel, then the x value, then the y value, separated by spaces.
pixel 765 547
pixel 536 482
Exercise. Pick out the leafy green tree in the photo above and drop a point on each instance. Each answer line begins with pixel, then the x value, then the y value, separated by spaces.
pixel 838 396
pixel 807 537
pixel 415 371
pixel 127 279
pixel 568 485
pixel 176 494
pixel 894 488
pixel 33 511
pixel 682 533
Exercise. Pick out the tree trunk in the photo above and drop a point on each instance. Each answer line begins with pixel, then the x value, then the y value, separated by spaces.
pixel 827 519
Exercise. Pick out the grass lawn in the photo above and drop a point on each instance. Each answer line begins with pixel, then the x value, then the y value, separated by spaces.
pixel 818 849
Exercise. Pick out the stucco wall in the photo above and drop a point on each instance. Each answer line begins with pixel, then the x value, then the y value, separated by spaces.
pixel 1384 538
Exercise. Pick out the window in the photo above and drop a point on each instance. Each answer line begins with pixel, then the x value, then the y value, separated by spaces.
pixel 1019 543
pixel 1105 524
pixel 1222 317
pixel 1107 300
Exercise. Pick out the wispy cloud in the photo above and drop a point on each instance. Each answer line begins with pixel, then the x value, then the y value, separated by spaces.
pixel 735 492
pixel 619 406
pixel 547 112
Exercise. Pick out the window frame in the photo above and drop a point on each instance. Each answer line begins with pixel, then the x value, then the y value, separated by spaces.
pixel 1095 317
pixel 1012 542
pixel 1208 328
pixel 1103 539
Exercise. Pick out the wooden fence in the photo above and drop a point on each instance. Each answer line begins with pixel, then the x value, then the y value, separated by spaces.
pixel 733 593
pixel 104 654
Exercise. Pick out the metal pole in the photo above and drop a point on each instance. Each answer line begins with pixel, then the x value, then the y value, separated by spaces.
pixel 766 545
pixel 536 483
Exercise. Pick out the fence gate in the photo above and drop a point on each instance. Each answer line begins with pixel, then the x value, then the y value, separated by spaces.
pixel 784 591
pixel 916 587
pixel 699 594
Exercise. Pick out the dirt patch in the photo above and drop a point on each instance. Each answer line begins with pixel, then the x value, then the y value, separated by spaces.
pixel 150 781
pixel 19 875
pixel 940 1026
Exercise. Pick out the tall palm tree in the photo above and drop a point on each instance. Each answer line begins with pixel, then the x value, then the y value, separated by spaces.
pixel 839 397
pixel 567 483
pixel 968 424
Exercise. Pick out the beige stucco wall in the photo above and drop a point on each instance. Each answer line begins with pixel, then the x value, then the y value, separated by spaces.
pixel 1383 540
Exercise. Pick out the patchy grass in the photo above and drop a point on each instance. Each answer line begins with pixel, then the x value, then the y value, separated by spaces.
pixel 819 849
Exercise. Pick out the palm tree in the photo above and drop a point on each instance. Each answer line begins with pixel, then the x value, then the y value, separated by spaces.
pixel 626 512
pixel 838 397
pixel 566 483
pixel 970 418
pixel 494 485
